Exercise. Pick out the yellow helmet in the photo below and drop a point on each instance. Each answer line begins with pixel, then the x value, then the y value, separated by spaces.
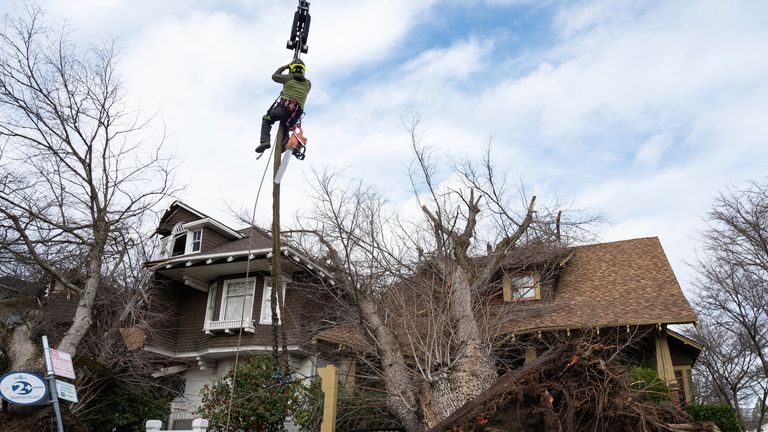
pixel 297 66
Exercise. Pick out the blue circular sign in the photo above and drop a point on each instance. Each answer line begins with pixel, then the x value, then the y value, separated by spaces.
pixel 23 388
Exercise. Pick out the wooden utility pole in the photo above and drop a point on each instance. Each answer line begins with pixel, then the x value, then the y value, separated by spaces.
pixel 276 295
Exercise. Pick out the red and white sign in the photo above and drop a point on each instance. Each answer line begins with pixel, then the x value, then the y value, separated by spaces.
pixel 61 363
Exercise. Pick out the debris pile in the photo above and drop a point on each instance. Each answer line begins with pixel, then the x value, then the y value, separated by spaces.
pixel 578 386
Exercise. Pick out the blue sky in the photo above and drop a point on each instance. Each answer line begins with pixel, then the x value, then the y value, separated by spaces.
pixel 640 110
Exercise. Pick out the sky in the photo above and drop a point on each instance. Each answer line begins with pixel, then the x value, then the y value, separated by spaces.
pixel 640 110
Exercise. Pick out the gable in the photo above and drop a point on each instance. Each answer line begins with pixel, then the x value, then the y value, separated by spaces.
pixel 173 216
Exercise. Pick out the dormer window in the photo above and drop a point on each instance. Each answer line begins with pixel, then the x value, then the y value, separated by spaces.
pixel 522 286
pixel 194 241
pixel 181 242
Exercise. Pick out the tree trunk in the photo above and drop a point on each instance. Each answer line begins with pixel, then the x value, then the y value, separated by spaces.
pixel 474 371
pixel 82 320
pixel 401 394
pixel 23 353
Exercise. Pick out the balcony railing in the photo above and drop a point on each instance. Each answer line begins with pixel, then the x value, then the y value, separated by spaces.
pixel 229 326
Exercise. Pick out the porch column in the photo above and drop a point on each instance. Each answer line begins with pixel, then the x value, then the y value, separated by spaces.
pixel 664 358
pixel 664 366
pixel 330 384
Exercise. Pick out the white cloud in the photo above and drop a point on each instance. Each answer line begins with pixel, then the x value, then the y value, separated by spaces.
pixel 653 149
pixel 642 110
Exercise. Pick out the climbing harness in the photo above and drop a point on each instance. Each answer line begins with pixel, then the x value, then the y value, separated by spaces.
pixel 293 120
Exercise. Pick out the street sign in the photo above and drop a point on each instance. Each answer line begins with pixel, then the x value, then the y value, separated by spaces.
pixel 23 388
pixel 66 391
pixel 62 364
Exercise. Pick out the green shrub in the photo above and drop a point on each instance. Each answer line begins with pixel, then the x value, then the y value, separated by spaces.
pixel 259 403
pixel 647 381
pixel 355 409
pixel 119 410
pixel 721 414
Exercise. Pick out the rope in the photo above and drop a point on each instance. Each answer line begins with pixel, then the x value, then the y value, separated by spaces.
pixel 245 293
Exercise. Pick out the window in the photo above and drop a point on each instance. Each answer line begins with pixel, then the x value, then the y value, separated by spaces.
pixel 683 378
pixel 209 309
pixel 181 242
pixel 522 286
pixel 266 303
pixel 237 300
pixel 194 241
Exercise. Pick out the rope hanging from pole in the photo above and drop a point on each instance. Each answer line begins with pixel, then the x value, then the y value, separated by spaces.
pixel 245 296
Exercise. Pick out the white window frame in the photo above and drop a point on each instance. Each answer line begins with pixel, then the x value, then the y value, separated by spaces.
pixel 248 309
pixel 265 316
pixel 210 306
pixel 188 248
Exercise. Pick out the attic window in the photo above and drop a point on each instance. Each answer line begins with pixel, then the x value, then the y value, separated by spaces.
pixel 194 241
pixel 522 286
pixel 181 242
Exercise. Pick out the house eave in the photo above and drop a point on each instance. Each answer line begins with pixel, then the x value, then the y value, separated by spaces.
pixel 287 251
pixel 660 322
pixel 220 352
pixel 216 224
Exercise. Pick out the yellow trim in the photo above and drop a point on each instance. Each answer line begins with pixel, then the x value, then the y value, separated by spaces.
pixel 530 354
pixel 687 390
pixel 685 339
pixel 349 376
pixel 588 326
pixel 329 375
pixel 664 359
pixel 508 288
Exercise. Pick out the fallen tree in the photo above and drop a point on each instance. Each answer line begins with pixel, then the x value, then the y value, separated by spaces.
pixel 580 385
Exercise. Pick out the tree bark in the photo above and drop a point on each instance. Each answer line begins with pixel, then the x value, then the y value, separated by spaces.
pixel 24 354
pixel 401 394
pixel 474 371
pixel 82 321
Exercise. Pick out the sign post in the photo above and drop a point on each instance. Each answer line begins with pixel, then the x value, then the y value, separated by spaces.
pixel 52 384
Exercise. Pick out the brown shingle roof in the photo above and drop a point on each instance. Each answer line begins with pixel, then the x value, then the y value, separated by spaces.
pixel 627 282
pixel 620 283
pixel 261 240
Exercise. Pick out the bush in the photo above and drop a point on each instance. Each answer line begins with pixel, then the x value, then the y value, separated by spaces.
pixel 647 381
pixel 721 414
pixel 119 410
pixel 355 410
pixel 260 403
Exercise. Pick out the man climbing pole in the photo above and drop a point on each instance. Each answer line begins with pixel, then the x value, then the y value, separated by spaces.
pixel 289 107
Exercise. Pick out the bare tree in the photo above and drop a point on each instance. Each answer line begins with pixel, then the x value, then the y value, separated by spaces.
pixel 733 297
pixel 77 173
pixel 417 287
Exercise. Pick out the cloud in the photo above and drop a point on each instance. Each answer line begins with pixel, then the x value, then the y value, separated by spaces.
pixel 653 149
pixel 642 110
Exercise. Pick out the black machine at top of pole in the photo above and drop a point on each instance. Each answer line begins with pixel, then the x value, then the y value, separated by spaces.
pixel 300 30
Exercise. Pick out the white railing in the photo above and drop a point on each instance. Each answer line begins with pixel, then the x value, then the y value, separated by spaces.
pixel 229 325
pixel 198 425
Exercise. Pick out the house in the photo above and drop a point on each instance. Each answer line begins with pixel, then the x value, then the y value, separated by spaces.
pixel 627 284
pixel 213 284
pixel 622 287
